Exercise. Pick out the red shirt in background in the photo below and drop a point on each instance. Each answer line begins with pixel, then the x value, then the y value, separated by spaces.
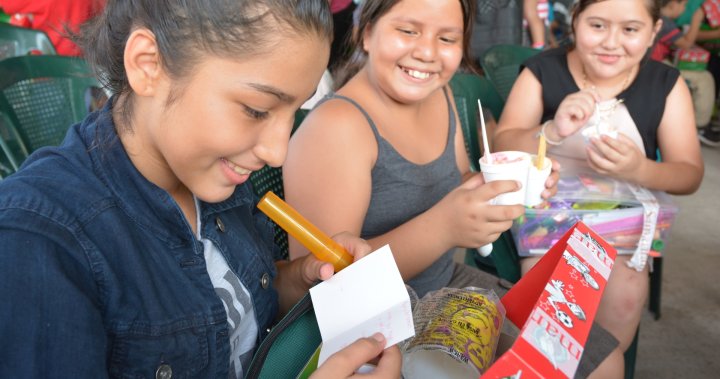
pixel 54 16
pixel 338 5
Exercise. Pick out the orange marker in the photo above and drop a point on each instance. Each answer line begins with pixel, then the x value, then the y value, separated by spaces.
pixel 322 246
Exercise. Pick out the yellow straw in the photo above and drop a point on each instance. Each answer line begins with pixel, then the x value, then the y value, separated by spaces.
pixel 322 246
pixel 540 160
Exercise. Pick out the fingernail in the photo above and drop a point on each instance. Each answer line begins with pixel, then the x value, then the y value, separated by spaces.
pixel 378 337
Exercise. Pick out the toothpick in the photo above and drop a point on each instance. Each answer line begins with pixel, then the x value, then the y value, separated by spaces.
pixel 486 147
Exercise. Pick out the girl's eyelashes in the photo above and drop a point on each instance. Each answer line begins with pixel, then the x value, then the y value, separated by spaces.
pixel 633 28
pixel 406 31
pixel 254 113
pixel 448 40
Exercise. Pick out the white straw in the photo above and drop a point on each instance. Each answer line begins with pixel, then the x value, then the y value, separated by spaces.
pixel 486 249
pixel 486 147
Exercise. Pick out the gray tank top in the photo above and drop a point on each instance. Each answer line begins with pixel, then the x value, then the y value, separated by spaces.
pixel 402 190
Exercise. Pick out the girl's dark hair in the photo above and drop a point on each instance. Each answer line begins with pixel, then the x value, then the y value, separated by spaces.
pixel 652 6
pixel 371 12
pixel 186 31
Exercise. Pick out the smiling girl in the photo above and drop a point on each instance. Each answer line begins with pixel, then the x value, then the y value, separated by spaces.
pixel 134 249
pixel 388 141
pixel 558 92
pixel 384 157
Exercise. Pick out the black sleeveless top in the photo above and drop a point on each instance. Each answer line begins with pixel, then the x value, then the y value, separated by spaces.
pixel 644 98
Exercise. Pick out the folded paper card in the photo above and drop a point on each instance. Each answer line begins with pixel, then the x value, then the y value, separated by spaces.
pixel 367 297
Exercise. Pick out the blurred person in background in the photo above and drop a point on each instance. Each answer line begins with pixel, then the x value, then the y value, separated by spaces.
pixel 55 17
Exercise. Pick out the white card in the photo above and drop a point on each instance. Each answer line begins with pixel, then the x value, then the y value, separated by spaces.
pixel 367 297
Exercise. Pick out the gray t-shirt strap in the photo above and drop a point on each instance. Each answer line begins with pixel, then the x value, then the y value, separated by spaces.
pixel 356 105
pixel 372 123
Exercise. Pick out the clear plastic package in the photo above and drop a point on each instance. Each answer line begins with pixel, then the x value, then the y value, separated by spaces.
pixel 456 334
pixel 610 207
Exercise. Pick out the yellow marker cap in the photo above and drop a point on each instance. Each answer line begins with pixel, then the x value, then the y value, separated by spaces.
pixel 320 245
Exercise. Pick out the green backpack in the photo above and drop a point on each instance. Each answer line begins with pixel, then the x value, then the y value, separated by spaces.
pixel 290 350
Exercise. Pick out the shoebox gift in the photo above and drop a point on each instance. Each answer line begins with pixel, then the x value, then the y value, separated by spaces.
pixel 694 58
pixel 555 304
pixel 712 12
pixel 631 218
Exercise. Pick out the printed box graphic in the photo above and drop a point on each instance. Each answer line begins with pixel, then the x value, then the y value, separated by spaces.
pixel 567 283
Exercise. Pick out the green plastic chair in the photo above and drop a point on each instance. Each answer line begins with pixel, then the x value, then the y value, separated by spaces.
pixel 270 179
pixel 11 149
pixel 501 64
pixel 467 89
pixel 40 98
pixel 16 41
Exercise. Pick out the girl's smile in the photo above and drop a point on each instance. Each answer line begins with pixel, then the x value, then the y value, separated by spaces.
pixel 416 74
pixel 235 174
pixel 608 58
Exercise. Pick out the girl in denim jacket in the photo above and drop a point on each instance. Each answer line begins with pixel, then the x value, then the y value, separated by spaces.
pixel 135 249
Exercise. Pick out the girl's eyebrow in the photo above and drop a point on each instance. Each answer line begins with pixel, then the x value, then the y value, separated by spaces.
pixel 284 97
pixel 416 23
pixel 597 18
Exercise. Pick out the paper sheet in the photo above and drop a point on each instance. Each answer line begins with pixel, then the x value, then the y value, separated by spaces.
pixel 367 297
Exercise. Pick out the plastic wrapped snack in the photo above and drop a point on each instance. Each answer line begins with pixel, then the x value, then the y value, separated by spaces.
pixel 456 334
pixel 600 122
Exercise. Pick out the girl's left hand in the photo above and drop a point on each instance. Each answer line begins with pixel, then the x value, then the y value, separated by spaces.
pixel 616 157
pixel 295 277
pixel 552 181
pixel 314 269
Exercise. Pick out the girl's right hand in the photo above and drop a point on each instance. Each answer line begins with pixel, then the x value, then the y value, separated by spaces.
pixel 469 219
pixel 345 362
pixel 574 112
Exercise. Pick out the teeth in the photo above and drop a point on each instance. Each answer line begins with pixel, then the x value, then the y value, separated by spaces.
pixel 418 74
pixel 237 169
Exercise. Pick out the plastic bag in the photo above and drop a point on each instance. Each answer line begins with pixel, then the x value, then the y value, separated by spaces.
pixel 456 334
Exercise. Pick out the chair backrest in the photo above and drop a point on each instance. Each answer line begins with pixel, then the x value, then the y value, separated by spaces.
pixel 41 97
pixel 12 151
pixel 467 89
pixel 16 41
pixel 501 64
pixel 270 179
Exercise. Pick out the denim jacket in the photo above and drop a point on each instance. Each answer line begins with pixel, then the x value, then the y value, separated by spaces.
pixel 101 276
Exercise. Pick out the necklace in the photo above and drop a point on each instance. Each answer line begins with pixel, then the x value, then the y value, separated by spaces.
pixel 625 82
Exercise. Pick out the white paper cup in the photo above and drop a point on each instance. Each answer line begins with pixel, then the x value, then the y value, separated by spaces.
pixel 508 165
pixel 536 182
